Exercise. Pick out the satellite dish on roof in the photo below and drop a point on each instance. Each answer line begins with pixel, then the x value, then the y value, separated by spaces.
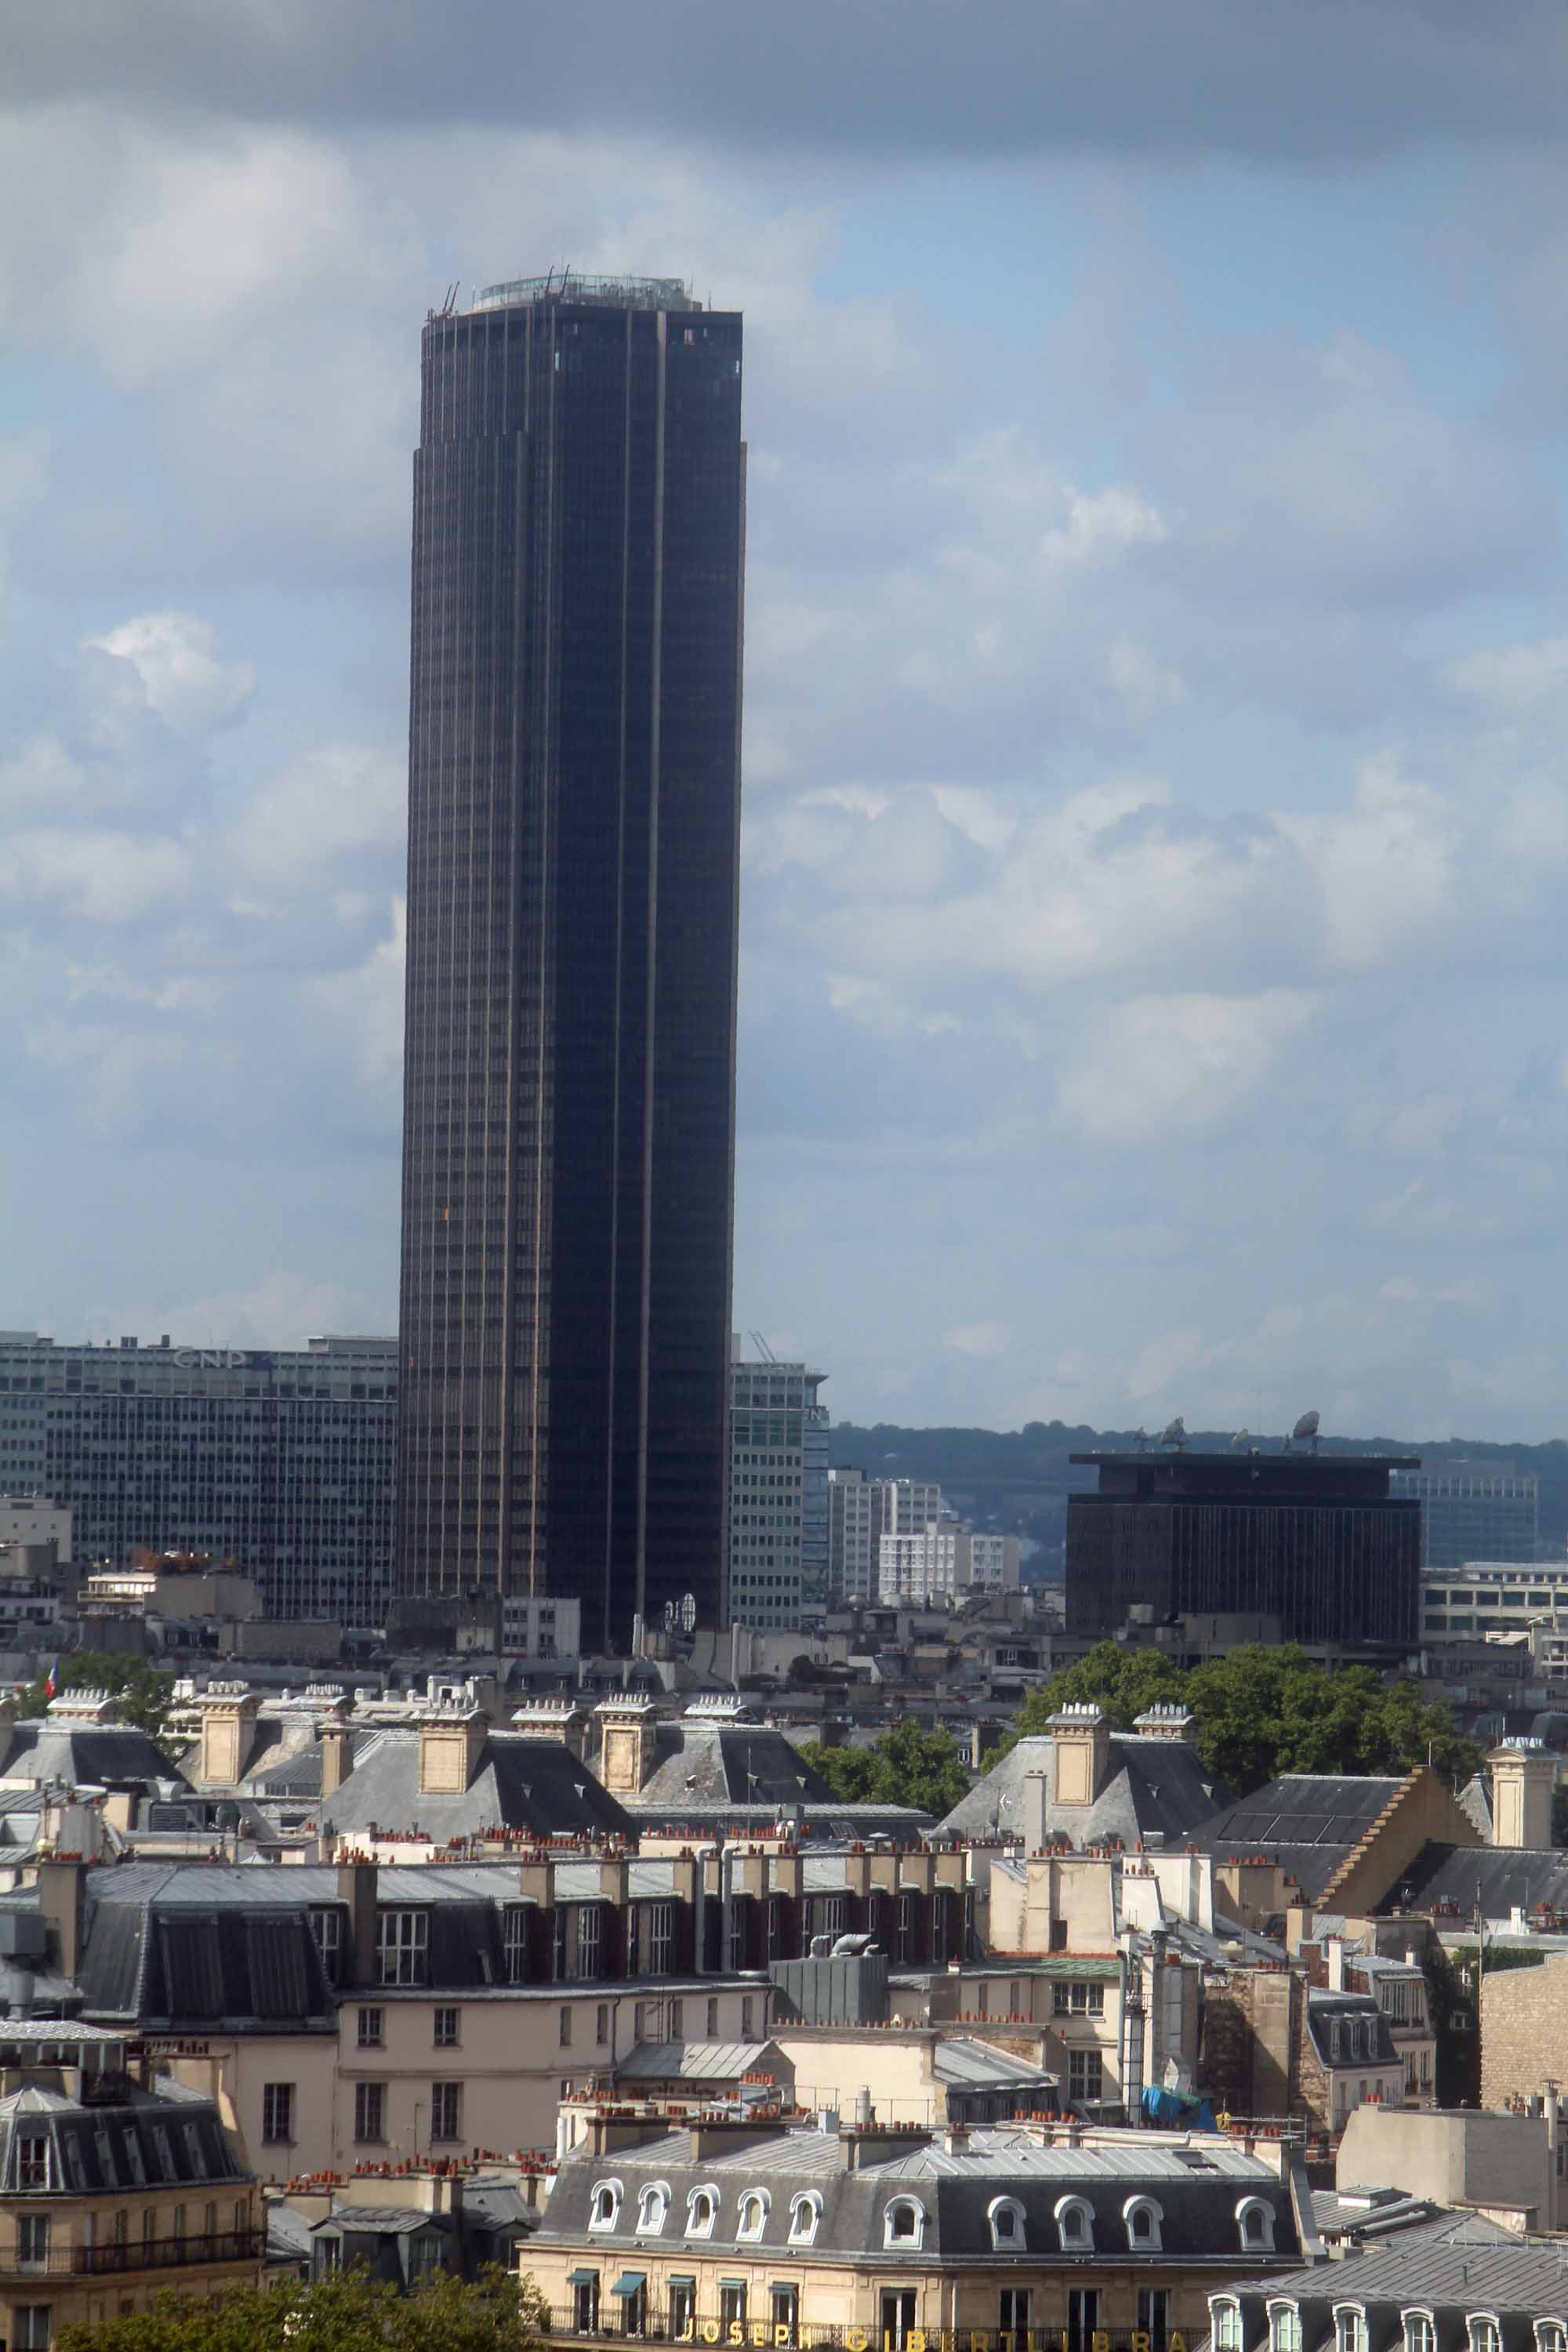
pixel 1239 1440
pixel 1174 1433
pixel 1306 1431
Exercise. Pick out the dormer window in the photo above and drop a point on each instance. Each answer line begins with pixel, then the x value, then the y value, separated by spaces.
pixel 1485 2333
pixel 1255 2222
pixel 1144 2219
pixel 1006 2217
pixel 1074 2225
pixel 604 2205
pixel 1284 2327
pixel 1421 2332
pixel 1551 2335
pixel 1226 2317
pixel 805 2213
pixel 1349 2328
pixel 904 2223
pixel 754 2207
pixel 701 2212
pixel 653 2209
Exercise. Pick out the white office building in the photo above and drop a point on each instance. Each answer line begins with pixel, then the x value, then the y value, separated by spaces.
pixel 860 1512
pixel 941 1564
pixel 778 1477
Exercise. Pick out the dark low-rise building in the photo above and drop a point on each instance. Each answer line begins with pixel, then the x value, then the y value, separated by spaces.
pixel 1445 2290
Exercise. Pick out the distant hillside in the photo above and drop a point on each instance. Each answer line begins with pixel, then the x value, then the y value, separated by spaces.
pixel 1021 1476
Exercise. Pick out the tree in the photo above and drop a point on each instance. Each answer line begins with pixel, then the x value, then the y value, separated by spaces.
pixel 145 1694
pixel 906 1767
pixel 350 2311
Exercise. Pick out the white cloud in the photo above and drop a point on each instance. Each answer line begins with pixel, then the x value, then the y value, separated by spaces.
pixel 99 877
pixel 364 1006
pixel 341 797
pixel 1162 1063
pixel 171 653
pixel 1385 866
pixel 1515 676
pixel 978 1339
pixel 283 1309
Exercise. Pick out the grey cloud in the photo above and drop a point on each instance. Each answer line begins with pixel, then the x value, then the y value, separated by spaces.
pixel 1300 80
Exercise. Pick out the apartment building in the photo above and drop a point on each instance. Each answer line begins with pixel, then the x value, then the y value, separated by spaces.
pixel 778 1475
pixel 112 2193
pixel 1491 1596
pixel 860 1512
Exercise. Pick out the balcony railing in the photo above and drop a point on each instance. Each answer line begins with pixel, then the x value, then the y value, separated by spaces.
pixel 113 2257
pixel 609 2327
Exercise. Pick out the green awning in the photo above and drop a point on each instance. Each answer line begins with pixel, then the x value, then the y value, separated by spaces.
pixel 581 2278
pixel 630 2281
pixel 739 2283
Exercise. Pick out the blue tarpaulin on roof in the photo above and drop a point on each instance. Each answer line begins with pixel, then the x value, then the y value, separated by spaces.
pixel 1177 2110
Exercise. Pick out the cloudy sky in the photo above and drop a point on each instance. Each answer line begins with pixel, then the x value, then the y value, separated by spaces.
pixel 1155 933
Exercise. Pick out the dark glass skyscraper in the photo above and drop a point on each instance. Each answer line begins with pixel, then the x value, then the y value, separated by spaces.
pixel 574 833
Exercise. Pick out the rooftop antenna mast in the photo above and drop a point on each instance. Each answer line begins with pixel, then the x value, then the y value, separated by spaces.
pixel 764 1350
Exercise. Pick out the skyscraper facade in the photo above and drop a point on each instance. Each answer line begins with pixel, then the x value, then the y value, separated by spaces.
pixel 573 830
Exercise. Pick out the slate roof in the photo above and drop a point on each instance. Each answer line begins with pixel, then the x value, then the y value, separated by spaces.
pixel 519 1783
pixel 1197 2188
pixel 86 1754
pixel 380 2222
pixel 1154 1788
pixel 1392 2212
pixel 1450 2271
pixel 1501 1878
pixel 695 2062
pixel 1368 2042
pixel 138 2136
pixel 1300 1809
pixel 709 1763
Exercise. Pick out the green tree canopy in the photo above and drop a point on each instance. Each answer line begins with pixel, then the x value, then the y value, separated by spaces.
pixel 906 1767
pixel 145 1694
pixel 1261 1711
pixel 349 2312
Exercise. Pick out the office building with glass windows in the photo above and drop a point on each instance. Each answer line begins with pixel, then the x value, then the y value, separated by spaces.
pixel 574 836
pixel 778 1496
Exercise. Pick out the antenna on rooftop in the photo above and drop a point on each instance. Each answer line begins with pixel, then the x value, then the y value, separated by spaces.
pixel 1305 1432
pixel 764 1350
pixel 1174 1433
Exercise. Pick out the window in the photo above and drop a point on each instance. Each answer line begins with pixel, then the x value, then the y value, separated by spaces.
pixel 1006 2218
pixel 1226 2318
pixel 731 2310
pixel 371 2022
pixel 711 2028
pixel 32 2240
pixel 1255 2220
pixel 784 2313
pixel 754 2207
pixel 653 2208
pixel 701 2212
pixel 445 2035
pixel 1083 2318
pixel 445 2111
pixel 677 2020
pixel 1143 2218
pixel 1284 2327
pixel 1074 2225
pixel 1420 2332
pixel 277 2112
pixel 588 1916
pixel 1077 1997
pixel 604 2205
pixel 1086 2074
pixel 1485 2334
pixel 1154 2316
pixel 33 2167
pixel 1349 2328
pixel 30 2326
pixel 565 2035
pixel 1013 2316
pixel 403 1940
pixel 602 2022
pixel 660 1938
pixel 585 2302
pixel 370 2111
pixel 746 2027
pixel 805 2212
pixel 514 1943
pixel 682 2308
pixel 327 1927
pixel 903 2224
pixel 1550 2335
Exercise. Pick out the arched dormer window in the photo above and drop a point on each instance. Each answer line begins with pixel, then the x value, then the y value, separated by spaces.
pixel 1074 2225
pixel 904 2223
pixel 1254 2221
pixel 1224 2314
pixel 1484 2331
pixel 1144 2220
pixel 1551 2335
pixel 805 2213
pixel 1006 2218
pixel 1420 2331
pixel 604 2205
pixel 1284 2327
pixel 701 2212
pixel 653 2208
pixel 1349 2328
pixel 755 2206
